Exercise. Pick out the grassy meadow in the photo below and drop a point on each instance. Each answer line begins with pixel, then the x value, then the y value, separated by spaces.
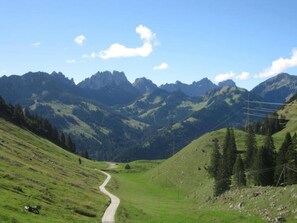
pixel 146 201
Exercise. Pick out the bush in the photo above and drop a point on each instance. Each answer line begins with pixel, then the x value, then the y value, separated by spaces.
pixel 127 166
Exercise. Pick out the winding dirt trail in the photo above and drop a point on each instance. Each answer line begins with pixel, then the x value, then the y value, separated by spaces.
pixel 109 213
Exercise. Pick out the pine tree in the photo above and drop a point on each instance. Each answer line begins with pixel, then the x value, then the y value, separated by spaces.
pixel 70 145
pixel 222 181
pixel 18 115
pixel 282 159
pixel 229 151
pixel 264 165
pixel 251 147
pixel 215 160
pixel 269 161
pixel 258 167
pixel 62 140
pixel 85 154
pixel 233 151
pixel 226 153
pixel 239 176
pixel 3 108
pixel 292 162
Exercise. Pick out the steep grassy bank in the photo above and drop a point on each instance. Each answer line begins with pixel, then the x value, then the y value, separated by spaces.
pixel 34 171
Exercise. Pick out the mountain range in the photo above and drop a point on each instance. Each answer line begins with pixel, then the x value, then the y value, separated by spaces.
pixel 112 118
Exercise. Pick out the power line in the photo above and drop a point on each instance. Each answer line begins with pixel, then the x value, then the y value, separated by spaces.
pixel 266 109
pixel 260 110
pixel 263 116
pixel 265 102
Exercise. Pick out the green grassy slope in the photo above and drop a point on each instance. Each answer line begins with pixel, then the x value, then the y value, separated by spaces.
pixel 34 171
pixel 145 201
pixel 180 190
pixel 187 170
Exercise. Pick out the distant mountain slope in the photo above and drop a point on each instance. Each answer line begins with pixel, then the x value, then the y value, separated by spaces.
pixel 220 108
pixel 23 89
pixel 161 108
pixel 277 89
pixel 144 85
pixel 36 172
pixel 197 88
pixel 93 126
pixel 229 83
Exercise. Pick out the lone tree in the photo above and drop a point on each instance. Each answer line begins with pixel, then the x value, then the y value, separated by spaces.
pixel 239 176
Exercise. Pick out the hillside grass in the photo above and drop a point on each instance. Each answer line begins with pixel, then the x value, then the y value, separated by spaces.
pixel 33 171
pixel 290 112
pixel 187 169
pixel 146 201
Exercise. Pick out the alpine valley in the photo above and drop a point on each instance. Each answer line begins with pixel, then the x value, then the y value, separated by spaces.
pixel 113 119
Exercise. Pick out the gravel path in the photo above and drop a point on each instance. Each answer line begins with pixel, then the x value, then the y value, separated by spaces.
pixel 109 213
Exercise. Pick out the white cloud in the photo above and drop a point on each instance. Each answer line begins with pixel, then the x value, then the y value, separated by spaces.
pixel 91 55
pixel 145 33
pixel 278 66
pixel 232 75
pixel 71 61
pixel 36 44
pixel 79 40
pixel 117 50
pixel 243 76
pixel 162 66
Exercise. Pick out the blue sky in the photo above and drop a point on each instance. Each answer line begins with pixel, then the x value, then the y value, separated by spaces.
pixel 247 40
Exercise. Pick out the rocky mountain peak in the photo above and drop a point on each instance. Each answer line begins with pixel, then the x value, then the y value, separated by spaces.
pixel 61 77
pixel 104 79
